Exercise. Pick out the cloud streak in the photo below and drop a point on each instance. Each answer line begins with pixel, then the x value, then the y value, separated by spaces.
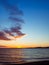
pixel 3 36
pixel 15 30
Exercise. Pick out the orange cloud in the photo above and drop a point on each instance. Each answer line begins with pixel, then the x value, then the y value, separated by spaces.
pixel 19 36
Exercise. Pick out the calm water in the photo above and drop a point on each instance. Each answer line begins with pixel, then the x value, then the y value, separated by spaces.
pixel 23 55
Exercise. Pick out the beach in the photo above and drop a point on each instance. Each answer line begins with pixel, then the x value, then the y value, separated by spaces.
pixel 29 63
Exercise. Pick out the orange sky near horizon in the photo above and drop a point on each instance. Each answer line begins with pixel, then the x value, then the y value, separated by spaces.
pixel 20 43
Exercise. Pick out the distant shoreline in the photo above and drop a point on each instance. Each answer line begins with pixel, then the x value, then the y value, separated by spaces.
pixel 28 48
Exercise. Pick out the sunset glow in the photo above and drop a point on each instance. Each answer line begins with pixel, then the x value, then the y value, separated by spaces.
pixel 26 28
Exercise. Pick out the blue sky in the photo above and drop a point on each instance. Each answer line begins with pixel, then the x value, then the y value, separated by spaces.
pixel 36 17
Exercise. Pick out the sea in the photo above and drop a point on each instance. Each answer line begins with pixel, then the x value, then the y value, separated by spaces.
pixel 18 56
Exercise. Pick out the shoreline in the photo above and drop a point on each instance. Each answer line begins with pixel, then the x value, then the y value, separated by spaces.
pixel 26 48
pixel 46 62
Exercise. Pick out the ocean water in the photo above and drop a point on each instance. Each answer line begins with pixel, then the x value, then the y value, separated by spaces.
pixel 23 55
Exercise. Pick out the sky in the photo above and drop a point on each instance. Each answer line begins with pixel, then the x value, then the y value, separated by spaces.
pixel 34 29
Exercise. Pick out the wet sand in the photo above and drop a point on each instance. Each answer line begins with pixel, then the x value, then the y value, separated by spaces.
pixel 37 63
pixel 29 63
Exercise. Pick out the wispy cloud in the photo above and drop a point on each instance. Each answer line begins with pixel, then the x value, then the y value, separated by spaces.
pixel 15 30
pixel 3 36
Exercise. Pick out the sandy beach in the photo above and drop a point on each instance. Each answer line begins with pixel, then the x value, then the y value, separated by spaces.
pixel 29 63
